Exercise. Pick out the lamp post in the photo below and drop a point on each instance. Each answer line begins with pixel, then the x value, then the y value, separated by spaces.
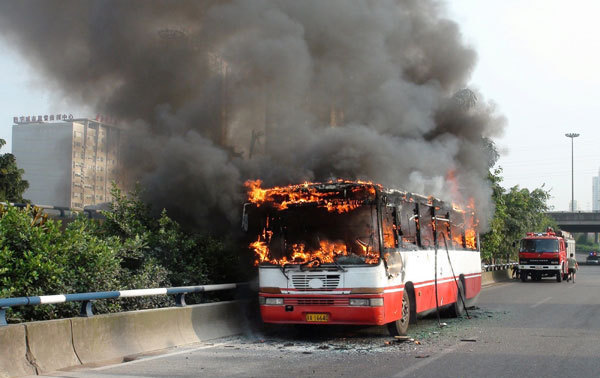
pixel 572 136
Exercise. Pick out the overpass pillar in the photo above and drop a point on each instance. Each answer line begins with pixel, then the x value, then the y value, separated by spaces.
pixel 595 237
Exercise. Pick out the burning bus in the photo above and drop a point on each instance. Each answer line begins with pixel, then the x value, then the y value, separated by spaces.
pixel 347 252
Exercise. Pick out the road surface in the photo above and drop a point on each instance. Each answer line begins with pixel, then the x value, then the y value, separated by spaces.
pixel 532 329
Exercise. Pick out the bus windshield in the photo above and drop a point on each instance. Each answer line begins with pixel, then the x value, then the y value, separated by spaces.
pixel 313 235
pixel 539 245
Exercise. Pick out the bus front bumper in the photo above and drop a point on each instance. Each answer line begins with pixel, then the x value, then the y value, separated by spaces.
pixel 335 309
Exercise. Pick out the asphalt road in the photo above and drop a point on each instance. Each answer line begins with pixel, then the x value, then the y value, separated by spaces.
pixel 533 329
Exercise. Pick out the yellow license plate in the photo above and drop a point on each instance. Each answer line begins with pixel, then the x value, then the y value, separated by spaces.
pixel 317 317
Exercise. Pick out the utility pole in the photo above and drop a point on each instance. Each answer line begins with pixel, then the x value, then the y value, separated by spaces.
pixel 572 136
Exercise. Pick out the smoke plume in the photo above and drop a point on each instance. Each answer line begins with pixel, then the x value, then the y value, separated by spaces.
pixel 217 92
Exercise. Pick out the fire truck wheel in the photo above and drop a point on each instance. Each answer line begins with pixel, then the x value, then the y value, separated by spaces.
pixel 458 308
pixel 559 277
pixel 400 326
pixel 523 276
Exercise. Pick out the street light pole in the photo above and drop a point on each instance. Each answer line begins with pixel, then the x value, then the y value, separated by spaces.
pixel 572 136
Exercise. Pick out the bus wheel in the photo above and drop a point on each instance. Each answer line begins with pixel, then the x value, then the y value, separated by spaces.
pixel 400 326
pixel 523 276
pixel 458 308
pixel 559 277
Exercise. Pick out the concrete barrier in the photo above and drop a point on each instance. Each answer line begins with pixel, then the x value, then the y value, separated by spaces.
pixel 40 347
pixel 105 338
pixel 488 278
pixel 13 352
pixel 111 337
pixel 51 345
pixel 226 319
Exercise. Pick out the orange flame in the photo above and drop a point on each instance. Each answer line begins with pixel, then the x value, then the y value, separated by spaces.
pixel 471 225
pixel 326 253
pixel 282 197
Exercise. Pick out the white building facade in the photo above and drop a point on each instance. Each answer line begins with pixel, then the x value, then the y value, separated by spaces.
pixel 70 164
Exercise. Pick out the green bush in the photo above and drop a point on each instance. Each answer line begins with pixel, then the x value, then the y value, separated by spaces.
pixel 129 249
pixel 37 258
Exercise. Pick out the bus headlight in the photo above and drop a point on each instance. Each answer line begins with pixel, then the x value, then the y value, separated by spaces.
pixel 273 301
pixel 373 302
pixel 359 302
pixel 376 302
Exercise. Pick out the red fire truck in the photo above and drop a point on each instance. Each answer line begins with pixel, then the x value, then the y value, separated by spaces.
pixel 545 255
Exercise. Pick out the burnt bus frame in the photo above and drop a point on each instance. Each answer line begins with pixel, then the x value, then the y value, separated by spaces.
pixel 397 198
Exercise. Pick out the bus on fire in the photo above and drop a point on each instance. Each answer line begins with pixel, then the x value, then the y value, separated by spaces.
pixel 348 252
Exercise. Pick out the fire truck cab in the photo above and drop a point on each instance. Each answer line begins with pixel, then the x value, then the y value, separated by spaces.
pixel 545 255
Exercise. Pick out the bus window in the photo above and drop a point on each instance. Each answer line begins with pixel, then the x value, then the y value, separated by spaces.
pixel 390 238
pixel 408 226
pixel 471 232
pixel 426 226
pixel 443 230
pixel 457 229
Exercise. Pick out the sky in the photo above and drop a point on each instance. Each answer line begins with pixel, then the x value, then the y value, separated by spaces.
pixel 537 61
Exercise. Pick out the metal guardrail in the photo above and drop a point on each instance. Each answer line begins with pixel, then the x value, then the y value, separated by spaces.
pixel 489 268
pixel 88 298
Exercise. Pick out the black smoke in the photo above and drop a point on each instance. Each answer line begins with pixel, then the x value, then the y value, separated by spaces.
pixel 356 89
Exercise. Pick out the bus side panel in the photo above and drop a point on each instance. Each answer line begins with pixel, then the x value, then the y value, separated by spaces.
pixel 425 294
pixel 472 285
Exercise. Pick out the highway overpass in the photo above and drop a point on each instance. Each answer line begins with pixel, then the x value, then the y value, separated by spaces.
pixel 578 221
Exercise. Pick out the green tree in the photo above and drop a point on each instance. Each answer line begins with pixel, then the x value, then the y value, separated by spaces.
pixel 38 258
pixel 518 211
pixel 12 185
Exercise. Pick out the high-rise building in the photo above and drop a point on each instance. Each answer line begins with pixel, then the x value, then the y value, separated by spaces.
pixel 573 206
pixel 69 163
pixel 596 192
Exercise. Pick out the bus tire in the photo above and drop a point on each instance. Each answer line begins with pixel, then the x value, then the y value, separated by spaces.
pixel 400 326
pixel 458 308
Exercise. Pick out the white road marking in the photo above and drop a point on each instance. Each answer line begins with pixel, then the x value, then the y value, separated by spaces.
pixel 540 302
pixel 426 362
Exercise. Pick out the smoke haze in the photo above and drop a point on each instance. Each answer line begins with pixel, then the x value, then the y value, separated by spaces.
pixel 357 89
